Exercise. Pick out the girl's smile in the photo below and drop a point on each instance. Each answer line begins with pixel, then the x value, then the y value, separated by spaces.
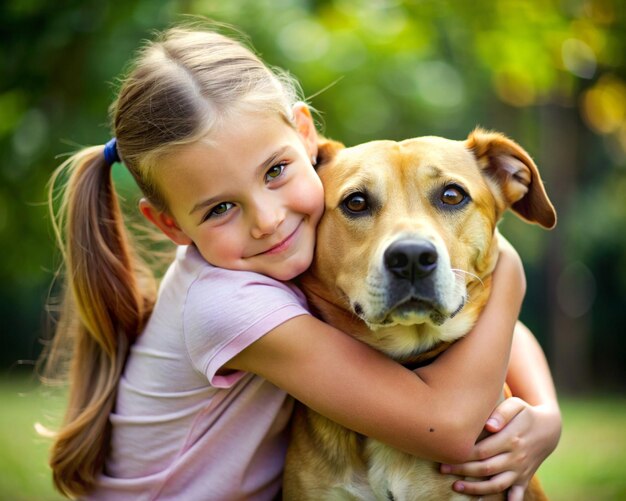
pixel 249 199
pixel 284 245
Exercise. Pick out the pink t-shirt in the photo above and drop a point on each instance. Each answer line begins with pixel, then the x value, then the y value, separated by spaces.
pixel 180 431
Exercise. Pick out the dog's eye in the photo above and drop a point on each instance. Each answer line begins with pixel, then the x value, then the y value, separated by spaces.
pixel 453 195
pixel 356 203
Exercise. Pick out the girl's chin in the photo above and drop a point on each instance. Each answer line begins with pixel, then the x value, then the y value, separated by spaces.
pixel 290 273
pixel 284 277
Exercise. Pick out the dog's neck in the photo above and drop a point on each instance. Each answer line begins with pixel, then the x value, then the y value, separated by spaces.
pixel 424 358
pixel 330 308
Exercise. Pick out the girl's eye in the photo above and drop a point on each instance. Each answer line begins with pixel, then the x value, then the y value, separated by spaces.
pixel 219 209
pixel 274 172
pixel 453 195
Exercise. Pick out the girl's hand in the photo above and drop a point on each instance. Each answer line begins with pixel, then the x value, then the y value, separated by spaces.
pixel 524 436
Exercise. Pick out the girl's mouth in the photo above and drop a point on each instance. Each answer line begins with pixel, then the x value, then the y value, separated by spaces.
pixel 284 244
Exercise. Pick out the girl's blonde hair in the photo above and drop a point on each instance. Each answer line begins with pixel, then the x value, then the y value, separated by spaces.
pixel 182 86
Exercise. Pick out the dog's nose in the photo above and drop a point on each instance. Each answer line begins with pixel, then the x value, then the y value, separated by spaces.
pixel 411 259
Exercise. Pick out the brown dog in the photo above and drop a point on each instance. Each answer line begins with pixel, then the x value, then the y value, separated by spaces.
pixel 404 257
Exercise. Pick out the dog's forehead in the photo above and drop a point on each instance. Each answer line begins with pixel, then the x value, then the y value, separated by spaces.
pixel 438 152
pixel 429 155
pixel 369 155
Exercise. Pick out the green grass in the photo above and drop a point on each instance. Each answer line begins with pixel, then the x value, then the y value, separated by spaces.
pixel 24 474
pixel 590 461
pixel 587 465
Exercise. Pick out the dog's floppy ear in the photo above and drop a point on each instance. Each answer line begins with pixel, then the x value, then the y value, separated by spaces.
pixel 514 171
pixel 327 149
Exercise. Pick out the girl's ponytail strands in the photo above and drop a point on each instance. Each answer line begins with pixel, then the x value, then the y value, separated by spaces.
pixel 103 311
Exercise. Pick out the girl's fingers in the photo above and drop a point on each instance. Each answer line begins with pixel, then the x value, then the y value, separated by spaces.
pixel 487 468
pixel 516 493
pixel 496 484
pixel 493 445
pixel 510 437
pixel 504 413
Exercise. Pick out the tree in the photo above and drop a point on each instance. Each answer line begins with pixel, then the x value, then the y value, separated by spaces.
pixel 549 74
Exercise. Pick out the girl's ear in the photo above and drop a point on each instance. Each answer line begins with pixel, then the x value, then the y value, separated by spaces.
pixel 164 222
pixel 305 127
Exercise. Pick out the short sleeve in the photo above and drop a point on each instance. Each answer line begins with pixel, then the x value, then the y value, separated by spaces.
pixel 226 311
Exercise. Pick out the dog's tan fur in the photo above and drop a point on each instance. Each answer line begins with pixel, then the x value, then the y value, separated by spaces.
pixel 352 286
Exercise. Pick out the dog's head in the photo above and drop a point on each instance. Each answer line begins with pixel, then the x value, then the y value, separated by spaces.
pixel 409 230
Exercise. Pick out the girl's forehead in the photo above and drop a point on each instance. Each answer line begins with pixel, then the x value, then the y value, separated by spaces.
pixel 244 140
pixel 219 134
pixel 242 128
pixel 240 119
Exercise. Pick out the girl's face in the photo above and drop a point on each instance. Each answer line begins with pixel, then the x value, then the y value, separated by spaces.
pixel 250 199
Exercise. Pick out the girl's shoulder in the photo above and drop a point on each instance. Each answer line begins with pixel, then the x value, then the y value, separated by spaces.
pixel 224 311
pixel 205 274
pixel 212 291
pixel 189 270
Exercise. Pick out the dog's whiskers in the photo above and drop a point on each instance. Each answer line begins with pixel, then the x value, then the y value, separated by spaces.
pixel 463 272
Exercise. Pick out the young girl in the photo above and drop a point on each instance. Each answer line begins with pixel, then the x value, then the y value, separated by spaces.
pixel 186 397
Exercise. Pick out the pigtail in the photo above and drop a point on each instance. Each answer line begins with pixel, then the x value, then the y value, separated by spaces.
pixel 105 306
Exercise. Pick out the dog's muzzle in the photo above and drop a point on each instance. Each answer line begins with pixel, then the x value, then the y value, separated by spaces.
pixel 412 284
pixel 413 289
pixel 411 260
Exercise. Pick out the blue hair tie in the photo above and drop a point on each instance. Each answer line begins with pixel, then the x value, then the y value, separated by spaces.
pixel 110 152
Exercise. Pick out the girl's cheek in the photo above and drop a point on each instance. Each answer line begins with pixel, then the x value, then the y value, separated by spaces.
pixel 310 199
pixel 318 190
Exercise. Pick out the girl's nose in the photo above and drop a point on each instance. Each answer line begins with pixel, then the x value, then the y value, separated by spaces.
pixel 266 219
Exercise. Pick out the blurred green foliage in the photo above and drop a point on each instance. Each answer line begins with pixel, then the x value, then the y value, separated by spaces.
pixel 550 74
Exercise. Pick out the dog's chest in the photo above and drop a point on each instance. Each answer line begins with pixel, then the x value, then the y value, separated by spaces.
pixel 394 475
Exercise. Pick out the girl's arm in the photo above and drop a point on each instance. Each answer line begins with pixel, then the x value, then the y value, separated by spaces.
pixel 527 429
pixel 529 375
pixel 436 412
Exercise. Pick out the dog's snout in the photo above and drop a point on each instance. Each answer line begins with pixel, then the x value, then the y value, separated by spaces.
pixel 411 259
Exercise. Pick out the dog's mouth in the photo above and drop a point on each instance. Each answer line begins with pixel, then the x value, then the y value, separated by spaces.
pixel 413 306
pixel 416 310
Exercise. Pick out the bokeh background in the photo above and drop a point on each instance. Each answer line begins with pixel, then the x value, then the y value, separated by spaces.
pixel 549 73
